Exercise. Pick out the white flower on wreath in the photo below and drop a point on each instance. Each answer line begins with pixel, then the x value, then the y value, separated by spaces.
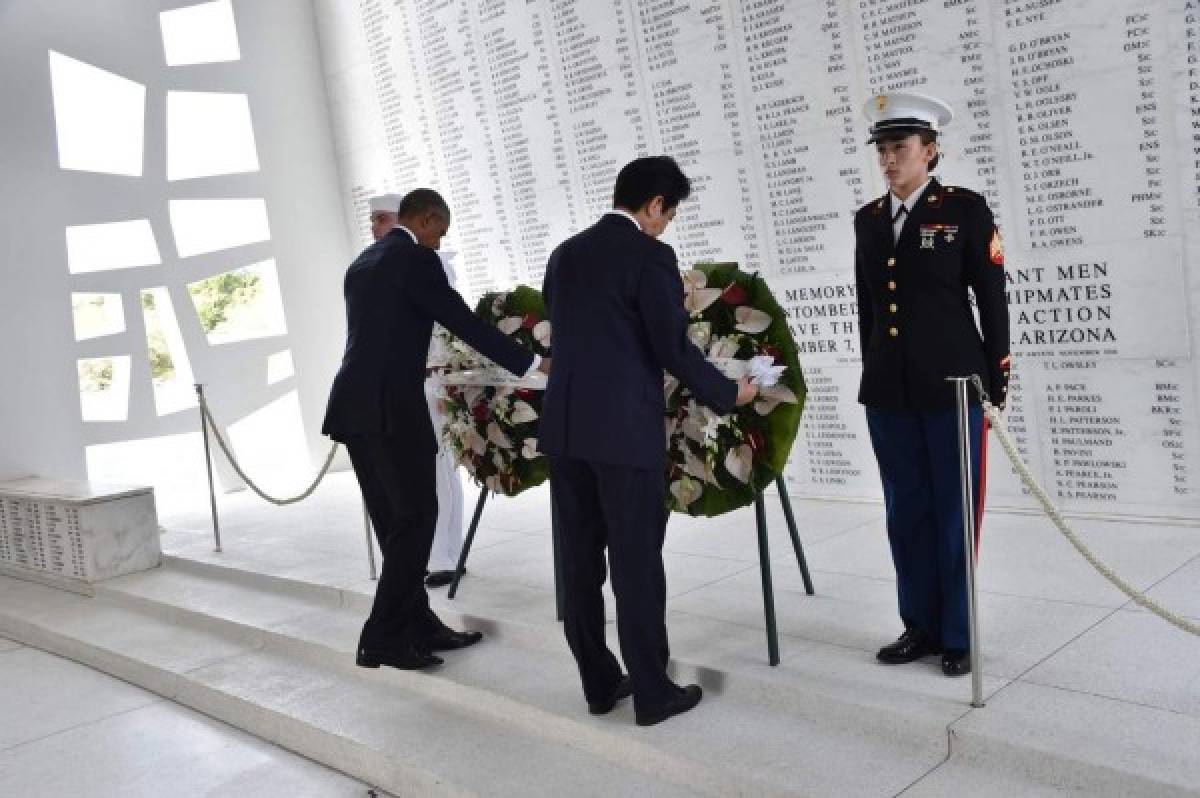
pixel 509 325
pixel 496 435
pixel 473 441
pixel 772 397
pixel 500 406
pixel 723 346
pixel 693 466
pixel 700 332
pixel 522 413
pixel 498 305
pixel 541 333
pixel 696 297
pixel 751 320
pixel 529 450
pixel 739 462
pixel 472 395
pixel 686 491
pixel 694 421
pixel 669 386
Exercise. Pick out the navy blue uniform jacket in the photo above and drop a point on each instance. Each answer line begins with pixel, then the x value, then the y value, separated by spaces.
pixel 615 299
pixel 395 290
pixel 914 313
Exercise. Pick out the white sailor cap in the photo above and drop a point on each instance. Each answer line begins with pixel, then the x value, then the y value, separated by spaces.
pixel 905 112
pixel 389 203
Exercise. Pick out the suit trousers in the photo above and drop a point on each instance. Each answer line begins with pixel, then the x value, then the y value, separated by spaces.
pixel 922 492
pixel 623 509
pixel 400 493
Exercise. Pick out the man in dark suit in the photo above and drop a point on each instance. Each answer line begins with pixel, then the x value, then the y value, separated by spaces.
pixel 615 300
pixel 919 249
pixel 395 290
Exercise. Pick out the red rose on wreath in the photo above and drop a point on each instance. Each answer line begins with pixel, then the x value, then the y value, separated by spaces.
pixel 773 351
pixel 530 321
pixel 523 393
pixel 734 294
pixel 480 411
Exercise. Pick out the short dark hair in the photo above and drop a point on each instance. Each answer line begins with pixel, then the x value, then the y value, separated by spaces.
pixel 420 200
pixel 643 179
pixel 926 136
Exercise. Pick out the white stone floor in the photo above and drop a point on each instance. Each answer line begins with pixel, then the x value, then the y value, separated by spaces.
pixel 72 732
pixel 1073 670
pixel 1066 656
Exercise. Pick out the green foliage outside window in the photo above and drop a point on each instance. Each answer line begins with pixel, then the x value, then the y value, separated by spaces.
pixel 216 297
pixel 95 375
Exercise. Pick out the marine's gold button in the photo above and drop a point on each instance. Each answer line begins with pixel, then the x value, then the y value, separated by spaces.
pixel 891 285
pixel 933 197
pixel 893 332
pixel 893 308
pixel 891 262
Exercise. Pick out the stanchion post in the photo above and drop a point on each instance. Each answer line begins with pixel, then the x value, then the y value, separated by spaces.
pixel 212 492
pixel 370 543
pixel 968 513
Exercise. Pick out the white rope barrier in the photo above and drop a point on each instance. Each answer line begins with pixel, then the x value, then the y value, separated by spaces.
pixel 216 433
pixel 1010 448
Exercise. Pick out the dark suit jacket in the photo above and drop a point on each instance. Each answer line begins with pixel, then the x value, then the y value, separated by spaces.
pixel 615 300
pixel 395 290
pixel 915 322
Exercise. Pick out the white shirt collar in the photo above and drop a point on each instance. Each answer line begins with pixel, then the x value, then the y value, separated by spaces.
pixel 411 234
pixel 911 202
pixel 626 214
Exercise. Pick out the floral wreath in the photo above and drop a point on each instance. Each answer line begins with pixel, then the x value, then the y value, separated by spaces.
pixel 714 463
pixel 491 417
pixel 719 463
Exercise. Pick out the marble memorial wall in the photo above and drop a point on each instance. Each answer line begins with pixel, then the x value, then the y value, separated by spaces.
pixel 1079 120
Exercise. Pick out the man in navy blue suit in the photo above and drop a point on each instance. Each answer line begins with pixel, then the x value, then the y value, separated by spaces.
pixel 395 290
pixel 615 300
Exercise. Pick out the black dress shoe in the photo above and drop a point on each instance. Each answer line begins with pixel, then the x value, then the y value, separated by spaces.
pixel 623 689
pixel 911 646
pixel 447 639
pixel 686 699
pixel 956 662
pixel 440 578
pixel 406 658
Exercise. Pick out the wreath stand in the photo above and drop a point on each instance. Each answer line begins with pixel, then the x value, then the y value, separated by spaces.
pixel 764 559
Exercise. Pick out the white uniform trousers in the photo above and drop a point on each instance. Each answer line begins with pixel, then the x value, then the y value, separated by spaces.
pixel 448 535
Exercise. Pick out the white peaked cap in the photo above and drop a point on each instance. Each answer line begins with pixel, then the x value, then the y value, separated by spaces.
pixel 906 111
pixel 385 202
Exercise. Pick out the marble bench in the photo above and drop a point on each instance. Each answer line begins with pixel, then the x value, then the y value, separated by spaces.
pixel 73 534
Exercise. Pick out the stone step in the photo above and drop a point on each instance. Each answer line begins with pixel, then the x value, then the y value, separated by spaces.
pixel 404 732
pixel 274 656
pixel 839 707
pixel 784 739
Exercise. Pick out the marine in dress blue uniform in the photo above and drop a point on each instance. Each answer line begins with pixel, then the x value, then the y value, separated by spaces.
pixel 921 251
